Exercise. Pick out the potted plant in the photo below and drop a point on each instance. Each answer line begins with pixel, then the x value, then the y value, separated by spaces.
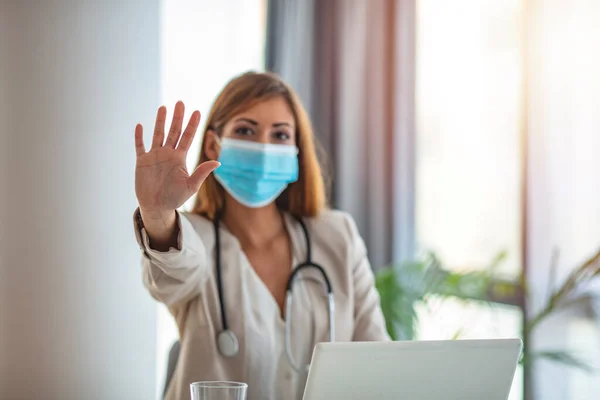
pixel 404 287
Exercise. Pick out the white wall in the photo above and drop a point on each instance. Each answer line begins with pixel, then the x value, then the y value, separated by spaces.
pixel 564 179
pixel 75 317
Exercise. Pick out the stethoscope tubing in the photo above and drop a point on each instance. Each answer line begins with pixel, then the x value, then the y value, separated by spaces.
pixel 227 342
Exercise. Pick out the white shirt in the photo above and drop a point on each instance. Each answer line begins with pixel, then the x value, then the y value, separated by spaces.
pixel 184 280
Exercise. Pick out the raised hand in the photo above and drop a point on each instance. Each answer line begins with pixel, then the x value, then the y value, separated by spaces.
pixel 162 182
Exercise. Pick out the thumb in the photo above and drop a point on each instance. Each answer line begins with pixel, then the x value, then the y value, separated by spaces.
pixel 201 172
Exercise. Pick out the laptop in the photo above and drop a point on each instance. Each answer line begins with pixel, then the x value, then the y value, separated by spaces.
pixel 413 370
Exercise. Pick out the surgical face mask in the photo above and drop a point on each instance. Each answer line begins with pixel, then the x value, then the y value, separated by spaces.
pixel 255 174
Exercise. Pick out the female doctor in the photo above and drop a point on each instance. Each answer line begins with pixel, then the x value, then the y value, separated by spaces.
pixel 259 231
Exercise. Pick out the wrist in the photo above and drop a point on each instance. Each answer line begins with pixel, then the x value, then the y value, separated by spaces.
pixel 154 216
pixel 161 228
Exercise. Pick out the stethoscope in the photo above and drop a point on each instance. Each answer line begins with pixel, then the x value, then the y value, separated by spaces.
pixel 227 341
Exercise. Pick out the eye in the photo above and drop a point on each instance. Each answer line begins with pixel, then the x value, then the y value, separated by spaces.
pixel 283 136
pixel 243 131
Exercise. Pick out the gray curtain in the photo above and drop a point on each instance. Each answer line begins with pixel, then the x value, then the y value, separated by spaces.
pixel 343 58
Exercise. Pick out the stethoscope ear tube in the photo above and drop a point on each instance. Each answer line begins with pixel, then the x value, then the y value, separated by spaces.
pixel 331 317
pixel 288 324
pixel 288 334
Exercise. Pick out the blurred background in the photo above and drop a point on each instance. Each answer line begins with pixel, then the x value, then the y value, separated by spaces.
pixel 462 136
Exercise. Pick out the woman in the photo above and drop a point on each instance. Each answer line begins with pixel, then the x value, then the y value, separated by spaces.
pixel 265 186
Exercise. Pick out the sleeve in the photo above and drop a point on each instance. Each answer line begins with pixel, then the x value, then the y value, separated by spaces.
pixel 369 323
pixel 176 275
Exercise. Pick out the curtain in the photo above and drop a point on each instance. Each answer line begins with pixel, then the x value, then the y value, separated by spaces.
pixel 350 62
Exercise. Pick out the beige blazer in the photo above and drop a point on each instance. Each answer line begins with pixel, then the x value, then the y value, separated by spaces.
pixel 184 280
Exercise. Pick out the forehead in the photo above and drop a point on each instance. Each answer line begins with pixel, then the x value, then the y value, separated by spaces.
pixel 269 111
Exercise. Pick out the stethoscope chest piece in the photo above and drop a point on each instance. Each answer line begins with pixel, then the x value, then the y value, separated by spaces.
pixel 228 343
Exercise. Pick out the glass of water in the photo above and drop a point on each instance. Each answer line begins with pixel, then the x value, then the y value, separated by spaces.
pixel 218 390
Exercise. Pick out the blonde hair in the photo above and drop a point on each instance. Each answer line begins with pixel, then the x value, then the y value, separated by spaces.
pixel 304 198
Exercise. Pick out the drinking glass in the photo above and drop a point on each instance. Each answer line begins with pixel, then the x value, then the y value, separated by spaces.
pixel 218 390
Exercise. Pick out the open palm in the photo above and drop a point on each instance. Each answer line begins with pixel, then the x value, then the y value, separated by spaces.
pixel 162 181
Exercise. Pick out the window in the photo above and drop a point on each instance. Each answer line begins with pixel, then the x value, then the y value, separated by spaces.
pixel 469 71
pixel 204 45
pixel 468 130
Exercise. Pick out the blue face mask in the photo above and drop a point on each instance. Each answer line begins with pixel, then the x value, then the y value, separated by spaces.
pixel 255 174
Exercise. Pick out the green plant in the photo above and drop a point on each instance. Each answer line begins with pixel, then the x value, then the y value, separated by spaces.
pixel 404 287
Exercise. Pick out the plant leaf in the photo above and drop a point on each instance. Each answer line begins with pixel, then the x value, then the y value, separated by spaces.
pixel 558 356
pixel 457 334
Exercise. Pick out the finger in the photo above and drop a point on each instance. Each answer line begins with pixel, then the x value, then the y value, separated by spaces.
pixel 139 141
pixel 201 173
pixel 176 124
pixel 190 132
pixel 159 128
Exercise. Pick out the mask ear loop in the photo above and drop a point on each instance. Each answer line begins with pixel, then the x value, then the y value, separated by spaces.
pixel 219 212
pixel 216 134
pixel 218 142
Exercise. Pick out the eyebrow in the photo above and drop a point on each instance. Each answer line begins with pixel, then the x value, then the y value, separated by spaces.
pixel 248 120
pixel 253 122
